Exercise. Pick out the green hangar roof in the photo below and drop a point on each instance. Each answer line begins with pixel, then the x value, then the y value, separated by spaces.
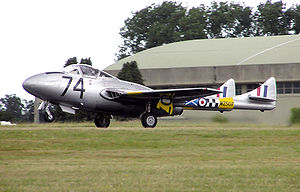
pixel 218 52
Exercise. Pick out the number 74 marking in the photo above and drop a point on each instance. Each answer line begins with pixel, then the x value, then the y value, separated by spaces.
pixel 75 88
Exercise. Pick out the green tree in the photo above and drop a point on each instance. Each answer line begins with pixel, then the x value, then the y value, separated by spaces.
pixel 150 27
pixel 219 17
pixel 293 18
pixel 243 20
pixel 229 20
pixel 86 61
pixel 130 72
pixel 295 117
pixel 12 108
pixel 271 19
pixel 169 22
pixel 71 61
pixel 28 110
pixel 193 25
pixel 296 19
pixel 2 112
pixel 165 26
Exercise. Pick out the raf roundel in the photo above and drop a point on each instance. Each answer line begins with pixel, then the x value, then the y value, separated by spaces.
pixel 202 102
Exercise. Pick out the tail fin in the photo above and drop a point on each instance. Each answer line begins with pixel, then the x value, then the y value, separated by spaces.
pixel 265 92
pixel 228 89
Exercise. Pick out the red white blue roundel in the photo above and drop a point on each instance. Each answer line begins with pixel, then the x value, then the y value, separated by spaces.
pixel 202 102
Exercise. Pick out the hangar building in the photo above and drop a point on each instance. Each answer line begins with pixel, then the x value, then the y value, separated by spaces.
pixel 210 62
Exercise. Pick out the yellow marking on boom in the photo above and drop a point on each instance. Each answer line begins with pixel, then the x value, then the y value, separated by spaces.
pixel 188 108
pixel 134 93
pixel 226 103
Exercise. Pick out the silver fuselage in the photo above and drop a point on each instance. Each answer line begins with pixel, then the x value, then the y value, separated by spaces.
pixel 80 92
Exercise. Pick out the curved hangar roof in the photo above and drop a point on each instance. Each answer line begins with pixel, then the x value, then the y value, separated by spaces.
pixel 218 52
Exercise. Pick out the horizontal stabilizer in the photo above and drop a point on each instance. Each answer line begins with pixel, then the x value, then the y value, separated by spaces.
pixel 263 99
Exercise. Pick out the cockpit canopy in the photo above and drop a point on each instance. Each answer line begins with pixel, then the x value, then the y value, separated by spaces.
pixel 86 70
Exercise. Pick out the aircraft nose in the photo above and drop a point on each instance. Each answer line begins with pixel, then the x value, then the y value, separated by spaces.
pixel 31 84
pixel 43 85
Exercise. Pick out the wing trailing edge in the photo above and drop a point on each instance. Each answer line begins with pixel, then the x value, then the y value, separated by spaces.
pixel 176 94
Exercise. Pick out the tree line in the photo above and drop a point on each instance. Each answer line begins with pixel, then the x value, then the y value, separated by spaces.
pixel 73 60
pixel 170 22
pixel 15 109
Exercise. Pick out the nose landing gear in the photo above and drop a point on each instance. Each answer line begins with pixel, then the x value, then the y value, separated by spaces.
pixel 48 114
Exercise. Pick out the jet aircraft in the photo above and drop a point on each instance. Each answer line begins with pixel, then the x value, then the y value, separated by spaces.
pixel 82 87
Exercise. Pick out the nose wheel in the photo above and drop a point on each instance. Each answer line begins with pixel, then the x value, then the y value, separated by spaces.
pixel 149 120
pixel 102 121
pixel 48 114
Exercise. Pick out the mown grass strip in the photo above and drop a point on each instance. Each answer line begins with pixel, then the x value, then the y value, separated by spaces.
pixel 171 157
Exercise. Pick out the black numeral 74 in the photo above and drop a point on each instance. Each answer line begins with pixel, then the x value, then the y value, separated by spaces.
pixel 77 87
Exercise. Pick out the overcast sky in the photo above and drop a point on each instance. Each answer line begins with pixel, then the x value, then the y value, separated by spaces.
pixel 39 35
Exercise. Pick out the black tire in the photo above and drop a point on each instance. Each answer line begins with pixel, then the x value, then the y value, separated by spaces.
pixel 49 118
pixel 149 120
pixel 102 121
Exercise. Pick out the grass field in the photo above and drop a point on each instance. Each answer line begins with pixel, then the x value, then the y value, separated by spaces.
pixel 175 156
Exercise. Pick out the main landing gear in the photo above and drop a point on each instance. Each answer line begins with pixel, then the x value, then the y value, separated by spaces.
pixel 149 120
pixel 102 121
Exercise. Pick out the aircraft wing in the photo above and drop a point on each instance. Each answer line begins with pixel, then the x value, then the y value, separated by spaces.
pixel 176 94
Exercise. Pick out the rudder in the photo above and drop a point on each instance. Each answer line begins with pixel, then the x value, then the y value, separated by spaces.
pixel 265 92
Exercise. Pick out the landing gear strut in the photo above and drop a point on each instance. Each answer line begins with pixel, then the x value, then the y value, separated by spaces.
pixel 102 121
pixel 149 120
pixel 48 114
